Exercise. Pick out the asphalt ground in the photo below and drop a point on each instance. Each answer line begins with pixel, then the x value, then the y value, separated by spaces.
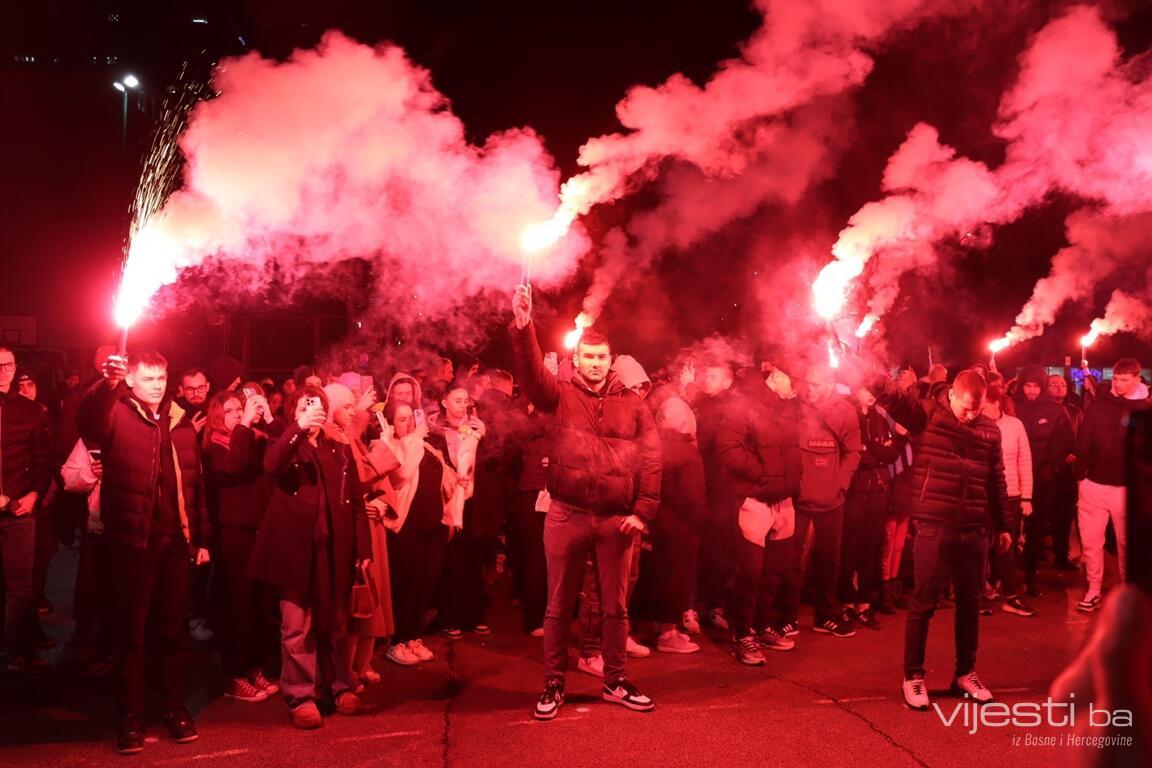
pixel 829 702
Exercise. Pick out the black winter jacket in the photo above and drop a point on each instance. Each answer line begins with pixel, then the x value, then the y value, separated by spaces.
pixel 879 449
pixel 1100 442
pixel 235 481
pixel 129 438
pixel 957 472
pixel 25 446
pixel 758 445
pixel 605 453
pixel 1050 434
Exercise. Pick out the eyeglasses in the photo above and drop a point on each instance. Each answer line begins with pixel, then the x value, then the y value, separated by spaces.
pixel 8 366
pixel 200 389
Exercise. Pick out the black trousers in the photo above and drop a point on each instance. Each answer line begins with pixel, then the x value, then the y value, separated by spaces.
pixel 1004 563
pixel 675 555
pixel 1063 513
pixel 824 563
pixel 242 608
pixel 940 551
pixel 862 546
pixel 1037 524
pixel 463 599
pixel 760 574
pixel 415 560
pixel 717 541
pixel 150 583
pixel 94 606
pixel 529 566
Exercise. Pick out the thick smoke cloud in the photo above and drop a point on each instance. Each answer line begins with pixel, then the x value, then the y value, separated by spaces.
pixel 346 152
pixel 764 129
pixel 1075 122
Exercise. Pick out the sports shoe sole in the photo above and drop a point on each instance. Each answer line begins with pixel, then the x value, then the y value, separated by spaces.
pixel 187 739
pixel 821 630
pixel 625 703
pixel 665 649
pixel 546 716
pixel 957 691
pixel 129 750
pixel 915 708
pixel 1018 612
pixel 753 662
pixel 247 699
pixel 778 648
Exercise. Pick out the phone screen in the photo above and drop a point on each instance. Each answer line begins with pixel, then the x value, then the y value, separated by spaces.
pixel 418 415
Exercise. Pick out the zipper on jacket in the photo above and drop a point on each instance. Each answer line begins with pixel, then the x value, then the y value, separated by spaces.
pixel 924 489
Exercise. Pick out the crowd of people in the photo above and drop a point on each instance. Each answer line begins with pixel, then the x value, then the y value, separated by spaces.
pixel 348 518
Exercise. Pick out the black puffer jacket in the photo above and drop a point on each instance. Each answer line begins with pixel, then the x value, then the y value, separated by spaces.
pixel 1100 442
pixel 957 472
pixel 25 446
pixel 130 440
pixel 1049 434
pixel 758 446
pixel 605 453
pixel 879 449
pixel 682 480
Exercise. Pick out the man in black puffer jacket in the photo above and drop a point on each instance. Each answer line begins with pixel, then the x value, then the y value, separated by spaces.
pixel 758 447
pixel 604 479
pixel 155 519
pixel 957 494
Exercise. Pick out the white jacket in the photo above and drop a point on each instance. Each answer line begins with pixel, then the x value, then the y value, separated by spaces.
pixel 1017 456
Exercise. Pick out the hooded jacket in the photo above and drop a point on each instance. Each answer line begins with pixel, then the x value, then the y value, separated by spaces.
pixel 957 472
pixel 1049 431
pixel 130 440
pixel 1100 442
pixel 605 452
pixel 829 451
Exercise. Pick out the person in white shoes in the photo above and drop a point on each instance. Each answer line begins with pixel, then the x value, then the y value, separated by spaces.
pixel 1100 467
pixel 957 495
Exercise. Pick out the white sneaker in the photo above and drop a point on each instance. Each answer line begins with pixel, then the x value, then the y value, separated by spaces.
pixel 675 642
pixel 636 650
pixel 419 650
pixel 538 632
pixel 591 665
pixel 399 653
pixel 691 622
pixel 971 685
pixel 916 694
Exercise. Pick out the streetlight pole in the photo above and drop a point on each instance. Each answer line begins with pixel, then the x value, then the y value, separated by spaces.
pixel 129 81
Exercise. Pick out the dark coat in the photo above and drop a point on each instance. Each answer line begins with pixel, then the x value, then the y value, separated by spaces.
pixel 309 481
pixel 1050 434
pixel 829 453
pixel 605 451
pixel 758 446
pixel 129 438
pixel 498 458
pixel 235 481
pixel 957 472
pixel 682 480
pixel 1100 442
pixel 879 449
pixel 25 445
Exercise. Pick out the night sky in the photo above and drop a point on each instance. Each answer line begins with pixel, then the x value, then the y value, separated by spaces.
pixel 558 67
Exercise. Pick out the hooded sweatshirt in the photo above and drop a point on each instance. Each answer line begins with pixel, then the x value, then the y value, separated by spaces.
pixel 1100 442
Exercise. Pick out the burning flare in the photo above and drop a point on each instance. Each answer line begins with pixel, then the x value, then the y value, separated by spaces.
pixel 866 326
pixel 1000 345
pixel 572 338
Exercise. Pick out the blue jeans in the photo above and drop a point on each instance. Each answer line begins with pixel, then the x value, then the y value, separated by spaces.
pixel 570 536
pixel 940 551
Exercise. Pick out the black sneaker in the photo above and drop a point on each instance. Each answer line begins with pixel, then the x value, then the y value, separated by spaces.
pixel 130 735
pixel 1015 604
pixel 867 619
pixel 549 703
pixel 789 629
pixel 771 640
pixel 747 651
pixel 834 627
pixel 180 726
pixel 848 616
pixel 623 692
